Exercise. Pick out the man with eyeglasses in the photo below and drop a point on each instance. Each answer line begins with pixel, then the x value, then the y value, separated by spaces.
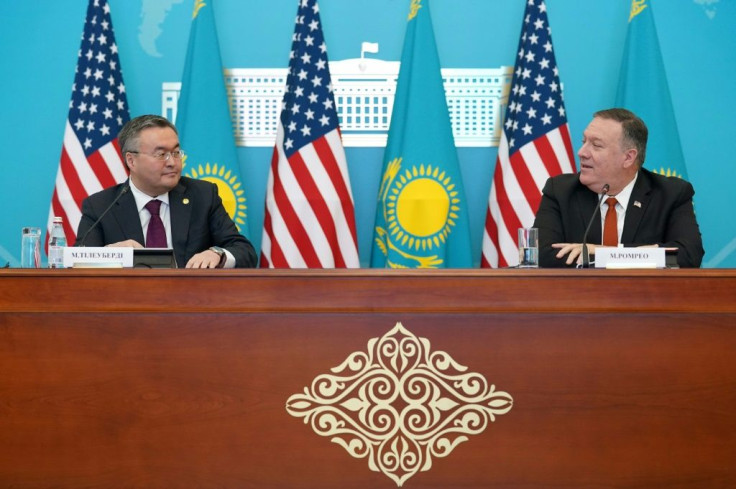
pixel 157 207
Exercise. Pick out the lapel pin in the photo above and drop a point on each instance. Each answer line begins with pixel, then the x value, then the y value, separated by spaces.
pixel 186 201
pixel 637 204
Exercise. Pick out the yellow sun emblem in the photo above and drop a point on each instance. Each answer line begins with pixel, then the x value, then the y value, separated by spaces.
pixel 667 172
pixel 230 189
pixel 422 205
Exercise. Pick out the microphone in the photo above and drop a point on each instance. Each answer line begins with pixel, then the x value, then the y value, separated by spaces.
pixel 122 192
pixel 586 257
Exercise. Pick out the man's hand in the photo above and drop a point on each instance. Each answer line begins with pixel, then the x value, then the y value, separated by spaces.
pixel 128 243
pixel 574 251
pixel 205 259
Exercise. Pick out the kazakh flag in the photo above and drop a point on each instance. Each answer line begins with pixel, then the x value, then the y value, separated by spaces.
pixel 643 89
pixel 203 116
pixel 422 216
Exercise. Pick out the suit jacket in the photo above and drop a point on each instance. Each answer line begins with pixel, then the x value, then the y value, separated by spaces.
pixel 198 221
pixel 664 215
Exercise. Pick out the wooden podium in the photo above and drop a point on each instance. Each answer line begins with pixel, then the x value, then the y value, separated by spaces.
pixel 367 378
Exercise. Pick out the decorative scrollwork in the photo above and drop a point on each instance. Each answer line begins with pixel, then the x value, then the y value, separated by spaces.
pixel 399 404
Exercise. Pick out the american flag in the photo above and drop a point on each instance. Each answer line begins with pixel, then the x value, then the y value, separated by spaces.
pixel 90 156
pixel 535 141
pixel 309 220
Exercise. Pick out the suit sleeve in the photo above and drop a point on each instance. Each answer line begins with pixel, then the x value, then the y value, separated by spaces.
pixel 549 221
pixel 225 235
pixel 681 228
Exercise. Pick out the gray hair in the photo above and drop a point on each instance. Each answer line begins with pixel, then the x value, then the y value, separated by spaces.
pixel 635 132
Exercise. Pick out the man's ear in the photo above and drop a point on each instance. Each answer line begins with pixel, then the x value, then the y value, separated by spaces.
pixel 630 156
pixel 129 160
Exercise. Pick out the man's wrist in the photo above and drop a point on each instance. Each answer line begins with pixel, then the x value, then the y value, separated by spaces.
pixel 221 253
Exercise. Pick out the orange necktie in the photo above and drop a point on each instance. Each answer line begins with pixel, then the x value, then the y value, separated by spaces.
pixel 610 225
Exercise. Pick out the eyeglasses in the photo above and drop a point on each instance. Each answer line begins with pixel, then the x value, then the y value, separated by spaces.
pixel 163 155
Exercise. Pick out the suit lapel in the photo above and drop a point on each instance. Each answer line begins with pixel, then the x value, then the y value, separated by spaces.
pixel 181 209
pixel 126 214
pixel 637 206
pixel 587 201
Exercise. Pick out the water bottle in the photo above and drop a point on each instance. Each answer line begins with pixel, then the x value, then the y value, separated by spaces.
pixel 57 243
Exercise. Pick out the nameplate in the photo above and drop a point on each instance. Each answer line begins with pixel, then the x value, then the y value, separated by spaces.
pixel 98 257
pixel 606 257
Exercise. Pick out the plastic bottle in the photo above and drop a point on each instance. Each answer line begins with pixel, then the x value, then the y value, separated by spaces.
pixel 57 243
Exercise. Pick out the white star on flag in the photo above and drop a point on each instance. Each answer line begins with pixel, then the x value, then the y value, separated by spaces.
pixel 309 220
pixel 535 141
pixel 90 155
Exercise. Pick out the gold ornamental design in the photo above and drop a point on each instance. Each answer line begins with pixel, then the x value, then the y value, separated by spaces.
pixel 637 6
pixel 414 8
pixel 399 404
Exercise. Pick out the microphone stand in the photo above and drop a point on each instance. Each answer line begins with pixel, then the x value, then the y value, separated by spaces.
pixel 123 191
pixel 586 256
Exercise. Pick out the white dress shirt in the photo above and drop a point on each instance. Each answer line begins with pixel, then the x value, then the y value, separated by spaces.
pixel 164 212
pixel 622 203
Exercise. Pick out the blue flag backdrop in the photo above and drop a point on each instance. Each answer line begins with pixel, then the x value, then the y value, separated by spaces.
pixel 203 116
pixel 643 89
pixel 696 40
pixel 422 216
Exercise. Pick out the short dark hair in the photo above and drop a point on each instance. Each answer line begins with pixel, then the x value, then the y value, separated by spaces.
pixel 635 132
pixel 128 135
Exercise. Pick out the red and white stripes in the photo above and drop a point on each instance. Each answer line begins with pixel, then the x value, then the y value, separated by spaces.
pixel 516 191
pixel 309 220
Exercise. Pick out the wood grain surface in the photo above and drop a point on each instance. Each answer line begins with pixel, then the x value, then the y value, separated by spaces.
pixel 179 379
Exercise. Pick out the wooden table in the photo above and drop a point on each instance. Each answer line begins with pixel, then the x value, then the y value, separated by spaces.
pixel 180 378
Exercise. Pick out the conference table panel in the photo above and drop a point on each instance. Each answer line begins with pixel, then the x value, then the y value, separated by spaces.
pixel 168 391
pixel 369 290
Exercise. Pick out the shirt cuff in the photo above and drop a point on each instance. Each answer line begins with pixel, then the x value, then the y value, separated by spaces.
pixel 229 260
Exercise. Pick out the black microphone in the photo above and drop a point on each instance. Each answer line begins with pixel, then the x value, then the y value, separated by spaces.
pixel 586 257
pixel 122 192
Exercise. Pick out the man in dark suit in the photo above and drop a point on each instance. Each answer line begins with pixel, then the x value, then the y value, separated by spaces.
pixel 187 215
pixel 650 209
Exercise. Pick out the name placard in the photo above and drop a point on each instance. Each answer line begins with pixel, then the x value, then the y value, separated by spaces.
pixel 629 257
pixel 102 257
